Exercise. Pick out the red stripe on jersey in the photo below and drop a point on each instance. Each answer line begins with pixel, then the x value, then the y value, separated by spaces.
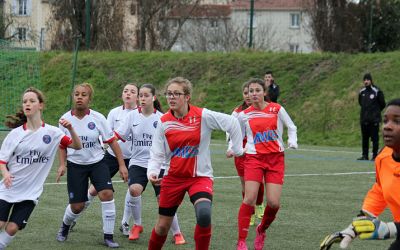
pixel 183 137
pixel 118 136
pixel 110 140
pixel 65 142
pixel 3 162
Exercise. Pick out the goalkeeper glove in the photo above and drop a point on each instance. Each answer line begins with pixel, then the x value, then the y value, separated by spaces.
pixel 374 229
pixel 344 237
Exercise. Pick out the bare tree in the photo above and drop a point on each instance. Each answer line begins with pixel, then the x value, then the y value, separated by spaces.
pixel 106 23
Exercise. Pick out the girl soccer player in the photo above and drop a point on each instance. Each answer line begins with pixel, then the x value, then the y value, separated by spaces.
pixel 262 123
pixel 115 118
pixel 183 138
pixel 140 125
pixel 26 157
pixel 89 164
pixel 239 161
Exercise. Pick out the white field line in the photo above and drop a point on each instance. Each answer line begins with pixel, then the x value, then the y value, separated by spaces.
pixel 234 177
pixel 304 149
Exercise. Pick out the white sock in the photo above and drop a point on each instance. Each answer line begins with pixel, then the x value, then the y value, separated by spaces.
pixel 136 208
pixel 90 199
pixel 69 216
pixel 5 239
pixel 127 209
pixel 175 225
pixel 108 213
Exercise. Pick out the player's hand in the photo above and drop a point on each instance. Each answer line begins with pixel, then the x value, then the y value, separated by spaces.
pixel 65 123
pixel 229 154
pixel 153 178
pixel 123 172
pixel 374 229
pixel 343 237
pixel 292 145
pixel 7 178
pixel 60 172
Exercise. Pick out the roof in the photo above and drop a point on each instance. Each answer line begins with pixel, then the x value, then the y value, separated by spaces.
pixel 270 4
pixel 202 11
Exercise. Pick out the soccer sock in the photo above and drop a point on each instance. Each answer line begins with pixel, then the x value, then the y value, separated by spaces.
pixel 202 237
pixel 5 239
pixel 108 213
pixel 69 216
pixel 90 199
pixel 136 209
pixel 260 195
pixel 127 209
pixel 156 241
pixel 269 217
pixel 175 225
pixel 245 213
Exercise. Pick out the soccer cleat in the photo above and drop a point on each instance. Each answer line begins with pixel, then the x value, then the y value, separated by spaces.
pixel 62 234
pixel 241 245
pixel 111 243
pixel 260 239
pixel 124 228
pixel 178 239
pixel 135 232
pixel 72 226
pixel 252 220
pixel 363 158
pixel 260 211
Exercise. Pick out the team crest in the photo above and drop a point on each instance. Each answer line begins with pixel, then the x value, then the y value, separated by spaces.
pixel 155 124
pixel 372 96
pixel 91 125
pixel 46 139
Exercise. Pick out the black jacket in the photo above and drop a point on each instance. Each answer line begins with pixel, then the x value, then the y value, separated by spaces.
pixel 372 102
pixel 273 93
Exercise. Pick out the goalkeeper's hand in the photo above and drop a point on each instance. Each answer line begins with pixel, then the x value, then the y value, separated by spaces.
pixel 344 237
pixel 374 229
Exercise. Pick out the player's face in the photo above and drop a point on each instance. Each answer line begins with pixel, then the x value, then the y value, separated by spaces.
pixel 130 95
pixel 367 82
pixel 175 97
pixel 31 104
pixel 81 98
pixel 256 93
pixel 246 97
pixel 268 79
pixel 391 127
pixel 146 98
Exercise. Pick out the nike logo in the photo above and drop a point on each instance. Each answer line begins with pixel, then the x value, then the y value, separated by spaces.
pixel 109 182
pixel 24 221
pixel 134 125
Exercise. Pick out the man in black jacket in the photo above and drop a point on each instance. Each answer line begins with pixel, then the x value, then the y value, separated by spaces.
pixel 372 102
pixel 271 86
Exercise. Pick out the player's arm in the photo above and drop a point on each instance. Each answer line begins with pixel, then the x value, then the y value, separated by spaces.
pixel 7 177
pixel 118 154
pixel 75 143
pixel 158 154
pixel 62 157
pixel 292 129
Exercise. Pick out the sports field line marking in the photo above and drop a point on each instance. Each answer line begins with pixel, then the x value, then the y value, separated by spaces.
pixel 305 149
pixel 235 176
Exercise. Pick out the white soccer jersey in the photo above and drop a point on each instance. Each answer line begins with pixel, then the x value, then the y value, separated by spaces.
pixel 115 119
pixel 29 156
pixel 142 129
pixel 89 128
pixel 184 143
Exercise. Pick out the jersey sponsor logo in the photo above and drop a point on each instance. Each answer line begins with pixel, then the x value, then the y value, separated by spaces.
pixel 91 125
pixel 86 143
pixel 266 136
pixel 186 152
pixel 46 139
pixel 33 157
pixel 146 140
pixel 155 124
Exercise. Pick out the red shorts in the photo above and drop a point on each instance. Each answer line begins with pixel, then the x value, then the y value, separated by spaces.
pixel 270 167
pixel 239 164
pixel 173 189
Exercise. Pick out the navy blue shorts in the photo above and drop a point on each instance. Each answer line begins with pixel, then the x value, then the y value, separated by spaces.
pixel 20 212
pixel 78 177
pixel 112 163
pixel 138 175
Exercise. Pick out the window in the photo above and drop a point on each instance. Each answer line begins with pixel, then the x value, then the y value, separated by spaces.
pixel 214 23
pixel 21 34
pixel 294 48
pixel 22 7
pixel 295 20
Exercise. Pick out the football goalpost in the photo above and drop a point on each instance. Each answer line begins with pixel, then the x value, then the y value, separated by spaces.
pixel 19 69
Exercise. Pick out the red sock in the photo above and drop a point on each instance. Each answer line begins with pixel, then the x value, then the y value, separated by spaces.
pixel 202 237
pixel 260 195
pixel 242 195
pixel 245 213
pixel 156 241
pixel 269 217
